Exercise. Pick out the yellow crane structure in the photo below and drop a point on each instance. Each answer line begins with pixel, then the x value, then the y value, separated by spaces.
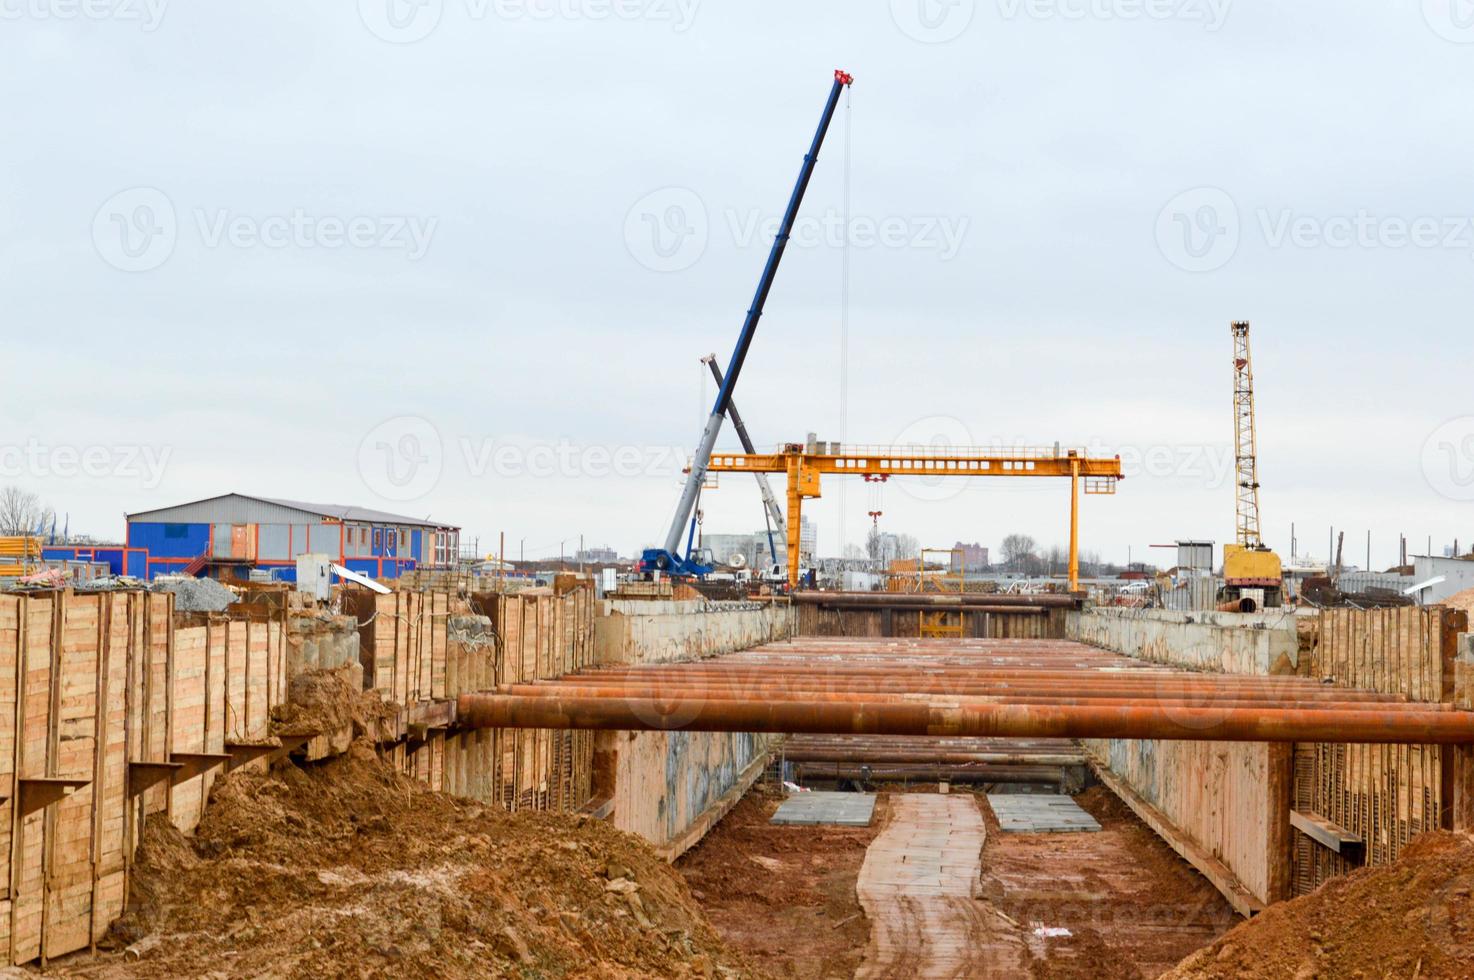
pixel 804 466
pixel 1247 563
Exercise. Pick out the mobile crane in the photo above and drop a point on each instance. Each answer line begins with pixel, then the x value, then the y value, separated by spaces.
pixel 668 559
pixel 1248 565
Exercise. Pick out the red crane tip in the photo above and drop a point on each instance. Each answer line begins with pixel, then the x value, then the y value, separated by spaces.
pixel 843 77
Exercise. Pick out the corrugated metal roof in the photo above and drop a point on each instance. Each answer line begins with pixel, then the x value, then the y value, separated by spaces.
pixel 226 509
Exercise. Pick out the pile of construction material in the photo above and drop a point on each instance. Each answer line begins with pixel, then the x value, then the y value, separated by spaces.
pixel 196 594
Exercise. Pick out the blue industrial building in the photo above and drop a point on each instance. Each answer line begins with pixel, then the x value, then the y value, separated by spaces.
pixel 227 536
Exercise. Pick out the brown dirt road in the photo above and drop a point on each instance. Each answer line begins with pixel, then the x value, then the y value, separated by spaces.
pixel 918 887
pixel 1133 907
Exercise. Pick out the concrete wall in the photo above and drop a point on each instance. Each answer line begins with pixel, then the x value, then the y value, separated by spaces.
pixel 1222 805
pixel 669 787
pixel 1233 643
pixel 637 631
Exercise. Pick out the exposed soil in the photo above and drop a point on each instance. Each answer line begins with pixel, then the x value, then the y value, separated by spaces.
pixel 350 869
pixel 784 895
pixel 1461 600
pixel 329 701
pixel 1132 907
pixel 1414 918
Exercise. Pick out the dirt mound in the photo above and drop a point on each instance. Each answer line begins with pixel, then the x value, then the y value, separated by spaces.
pixel 1414 918
pixel 1461 600
pixel 350 869
pixel 330 701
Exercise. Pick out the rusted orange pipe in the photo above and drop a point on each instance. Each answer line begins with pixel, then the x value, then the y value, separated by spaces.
pixel 666 695
pixel 1083 684
pixel 1390 724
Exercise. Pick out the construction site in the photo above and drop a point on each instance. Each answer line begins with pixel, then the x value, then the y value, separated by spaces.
pixel 254 736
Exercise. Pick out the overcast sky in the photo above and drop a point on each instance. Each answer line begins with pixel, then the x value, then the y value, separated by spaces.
pixel 461 257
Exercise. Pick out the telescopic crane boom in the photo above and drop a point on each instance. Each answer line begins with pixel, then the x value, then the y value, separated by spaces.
pixel 770 502
pixel 668 558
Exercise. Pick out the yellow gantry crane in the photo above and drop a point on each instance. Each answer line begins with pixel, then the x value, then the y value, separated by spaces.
pixel 805 465
pixel 1247 564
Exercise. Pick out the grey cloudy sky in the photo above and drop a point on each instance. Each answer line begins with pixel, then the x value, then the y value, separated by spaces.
pixel 461 257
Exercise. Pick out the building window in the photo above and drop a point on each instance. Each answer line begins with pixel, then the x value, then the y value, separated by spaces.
pixel 176 530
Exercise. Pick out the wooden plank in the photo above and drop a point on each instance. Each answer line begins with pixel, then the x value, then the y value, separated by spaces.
pixel 1329 835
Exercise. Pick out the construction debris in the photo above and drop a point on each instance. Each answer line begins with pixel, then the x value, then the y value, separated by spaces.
pixel 196 594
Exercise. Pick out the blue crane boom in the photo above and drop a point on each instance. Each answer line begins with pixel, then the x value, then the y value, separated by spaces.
pixel 667 558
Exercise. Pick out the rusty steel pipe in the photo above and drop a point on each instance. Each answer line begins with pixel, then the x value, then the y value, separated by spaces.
pixel 1082 685
pixel 687 695
pixel 1390 724
pixel 945 774
pixel 933 758
pixel 995 610
pixel 1055 599
pixel 1168 684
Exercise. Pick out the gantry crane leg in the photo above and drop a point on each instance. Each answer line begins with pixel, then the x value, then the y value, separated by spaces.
pixel 1075 525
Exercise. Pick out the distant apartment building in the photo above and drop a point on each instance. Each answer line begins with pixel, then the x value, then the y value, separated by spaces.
pixel 595 556
pixel 974 557
pixel 753 548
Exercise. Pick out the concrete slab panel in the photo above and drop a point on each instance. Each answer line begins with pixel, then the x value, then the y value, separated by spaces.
pixel 840 809
pixel 1040 813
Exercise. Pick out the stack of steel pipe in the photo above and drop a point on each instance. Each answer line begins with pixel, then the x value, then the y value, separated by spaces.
pixel 966 687
pixel 921 750
pixel 951 602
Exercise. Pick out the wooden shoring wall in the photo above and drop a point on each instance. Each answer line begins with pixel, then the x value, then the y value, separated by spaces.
pixel 538 635
pixel 817 620
pixel 90 683
pixel 71 718
pixel 1386 794
pixel 403 643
